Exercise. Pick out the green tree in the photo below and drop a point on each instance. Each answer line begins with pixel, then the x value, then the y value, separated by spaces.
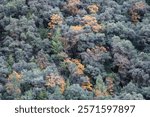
pixel 56 44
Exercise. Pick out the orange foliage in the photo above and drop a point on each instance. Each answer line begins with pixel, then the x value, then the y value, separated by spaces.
pixel 93 8
pixel 96 52
pixel 15 75
pixel 100 93
pixel 139 5
pixel 80 67
pixel 135 17
pixel 98 49
pixel 12 89
pixel 73 9
pixel 73 2
pixel 55 20
pixel 89 20
pixel 52 80
pixel 110 85
pixel 76 28
pixel 92 22
pixel 109 88
pixel 87 85
pixel 42 60
pixel 71 6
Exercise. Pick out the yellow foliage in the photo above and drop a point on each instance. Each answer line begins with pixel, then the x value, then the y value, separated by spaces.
pixel 52 80
pixel 93 8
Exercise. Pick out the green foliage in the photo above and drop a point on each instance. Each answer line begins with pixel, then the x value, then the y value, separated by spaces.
pixel 29 15
pixel 14 3
pixel 43 32
pixel 112 75
pixel 0 96
pixel 10 60
pixel 130 96
pixel 75 92
pixel 13 88
pixel 57 95
pixel 42 95
pixel 29 95
pixel 100 84
pixel 64 68
pixel 56 44
pixel 57 58
pixel 67 83
pixel 146 92
pixel 148 2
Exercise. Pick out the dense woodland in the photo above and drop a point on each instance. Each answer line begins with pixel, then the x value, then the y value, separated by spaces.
pixel 75 49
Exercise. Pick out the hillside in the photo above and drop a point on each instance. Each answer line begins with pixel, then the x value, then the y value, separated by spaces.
pixel 75 49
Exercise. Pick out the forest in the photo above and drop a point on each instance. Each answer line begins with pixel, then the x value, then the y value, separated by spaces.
pixel 74 49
